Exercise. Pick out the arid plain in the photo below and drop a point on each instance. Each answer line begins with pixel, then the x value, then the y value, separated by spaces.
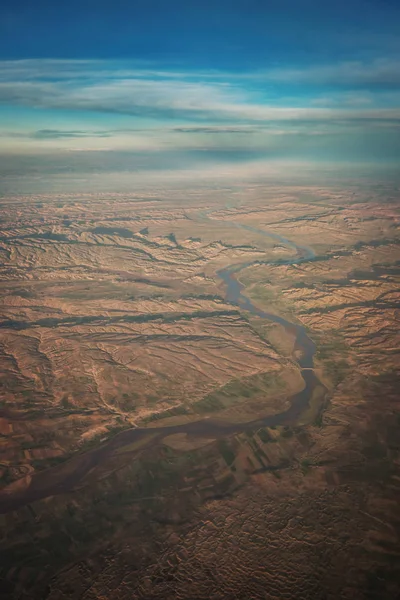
pixel 200 394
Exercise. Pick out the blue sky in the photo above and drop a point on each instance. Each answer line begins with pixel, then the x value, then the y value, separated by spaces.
pixel 159 86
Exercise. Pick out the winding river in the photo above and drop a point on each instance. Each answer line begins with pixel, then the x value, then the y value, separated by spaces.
pixel 65 477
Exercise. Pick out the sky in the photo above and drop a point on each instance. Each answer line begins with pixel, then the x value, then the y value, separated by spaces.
pixel 213 87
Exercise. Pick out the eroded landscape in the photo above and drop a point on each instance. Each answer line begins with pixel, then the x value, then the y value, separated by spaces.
pixel 200 394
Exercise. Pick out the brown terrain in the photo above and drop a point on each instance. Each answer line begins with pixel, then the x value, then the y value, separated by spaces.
pixel 159 437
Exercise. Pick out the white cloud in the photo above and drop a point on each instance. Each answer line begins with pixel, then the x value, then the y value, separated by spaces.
pixel 383 71
pixel 190 110
pixel 164 99
pixel 380 71
pixel 136 89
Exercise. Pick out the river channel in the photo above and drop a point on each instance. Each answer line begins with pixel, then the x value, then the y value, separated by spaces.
pixel 66 476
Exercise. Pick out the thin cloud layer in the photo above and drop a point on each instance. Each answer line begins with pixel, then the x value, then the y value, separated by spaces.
pixel 378 72
pixel 109 86
pixel 326 112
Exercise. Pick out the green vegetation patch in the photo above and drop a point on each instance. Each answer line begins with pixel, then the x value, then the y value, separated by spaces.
pixel 330 344
pixel 332 352
pixel 337 370
pixel 171 412
pixel 226 451
pixel 305 465
pixel 238 390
